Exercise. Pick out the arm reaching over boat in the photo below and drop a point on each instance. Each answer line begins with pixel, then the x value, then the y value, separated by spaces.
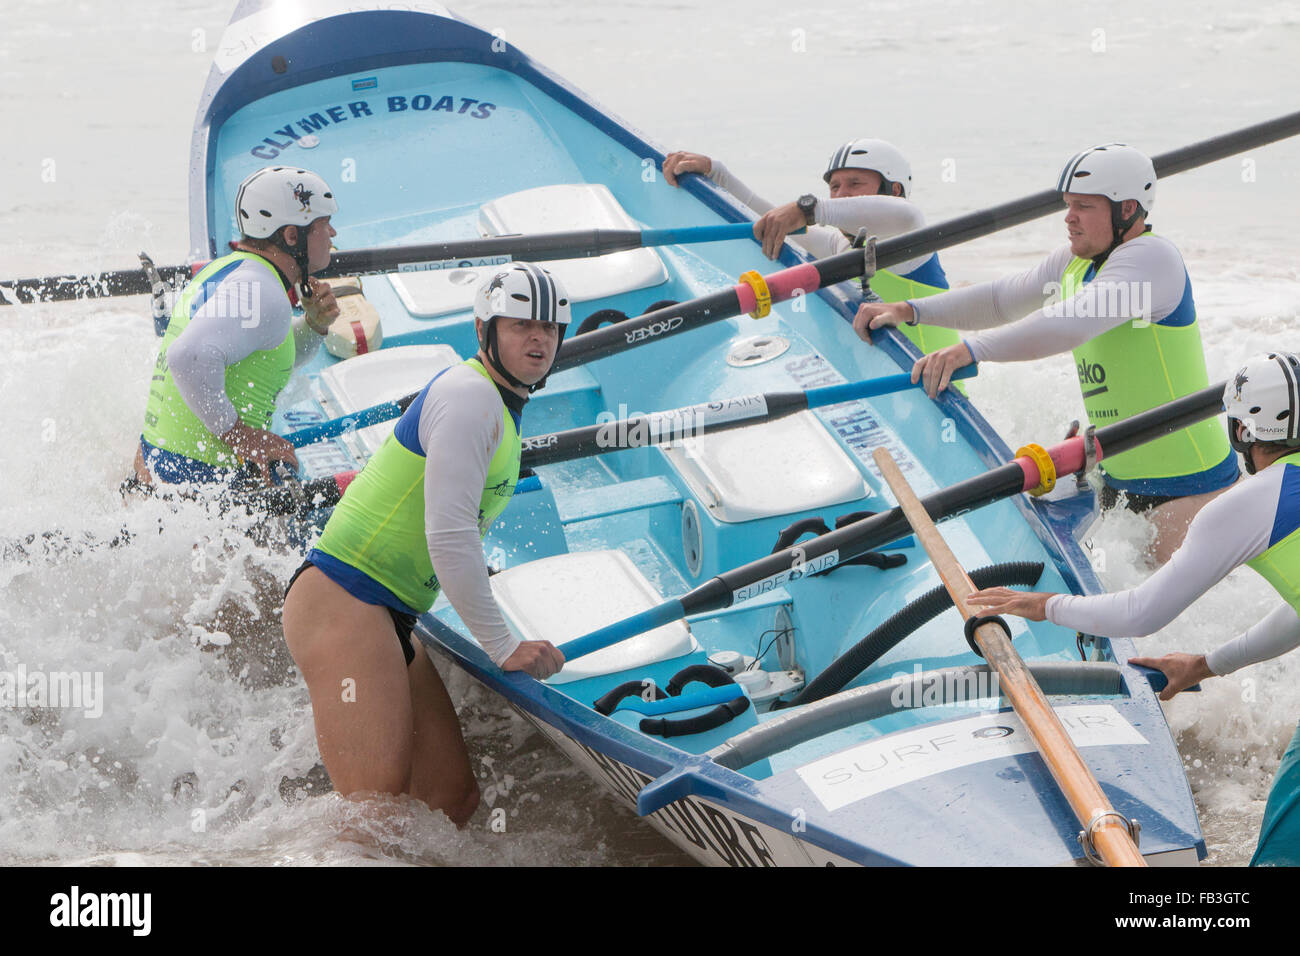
pixel 870 184
pixel 409 528
pixel 1118 297
pixel 461 430
pixel 1256 523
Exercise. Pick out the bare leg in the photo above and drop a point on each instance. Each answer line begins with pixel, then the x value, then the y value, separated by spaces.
pixel 441 775
pixel 1171 520
pixel 355 672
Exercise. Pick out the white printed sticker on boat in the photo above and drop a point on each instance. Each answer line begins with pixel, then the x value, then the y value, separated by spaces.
pixel 441 264
pixel 799 566
pixel 911 755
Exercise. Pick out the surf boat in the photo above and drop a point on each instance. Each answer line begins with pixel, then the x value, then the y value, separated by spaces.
pixel 816 716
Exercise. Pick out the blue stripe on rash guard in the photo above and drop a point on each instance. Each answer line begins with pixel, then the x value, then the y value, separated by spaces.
pixel 929 272
pixel 1287 518
pixel 407 429
pixel 1185 312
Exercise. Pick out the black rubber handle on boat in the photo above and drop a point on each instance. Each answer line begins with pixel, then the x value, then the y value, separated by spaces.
pixel 609 702
pixel 915 615
pixel 663 323
pixel 710 674
pixel 684 726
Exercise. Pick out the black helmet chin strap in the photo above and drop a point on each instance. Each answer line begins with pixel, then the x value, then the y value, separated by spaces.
pixel 297 252
pixel 1119 225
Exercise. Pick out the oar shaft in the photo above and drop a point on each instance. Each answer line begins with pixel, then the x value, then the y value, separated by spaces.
pixel 706 418
pixel 1072 775
pixel 451 254
pixel 335 427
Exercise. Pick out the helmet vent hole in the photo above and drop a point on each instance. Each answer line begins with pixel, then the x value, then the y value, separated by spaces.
pixel 1283 415
pixel 1256 410
pixel 564 302
pixel 265 213
pixel 520 296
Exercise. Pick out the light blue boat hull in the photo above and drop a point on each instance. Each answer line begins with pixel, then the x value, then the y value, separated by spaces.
pixel 395 108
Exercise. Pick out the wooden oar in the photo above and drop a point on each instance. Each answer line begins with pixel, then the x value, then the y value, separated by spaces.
pixel 492 250
pixel 1103 827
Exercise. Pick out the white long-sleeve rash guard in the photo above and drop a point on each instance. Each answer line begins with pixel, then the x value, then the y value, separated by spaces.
pixel 885 216
pixel 460 429
pixel 247 312
pixel 1229 531
pixel 1143 278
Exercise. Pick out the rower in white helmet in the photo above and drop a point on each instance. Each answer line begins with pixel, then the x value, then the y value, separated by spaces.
pixel 232 341
pixel 1255 523
pixel 871 187
pixel 1120 297
pixel 409 528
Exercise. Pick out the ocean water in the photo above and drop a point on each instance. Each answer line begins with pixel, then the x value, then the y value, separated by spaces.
pixel 204 749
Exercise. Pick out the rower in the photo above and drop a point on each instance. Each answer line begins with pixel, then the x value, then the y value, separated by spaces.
pixel 1256 523
pixel 233 341
pixel 409 528
pixel 870 184
pixel 1126 310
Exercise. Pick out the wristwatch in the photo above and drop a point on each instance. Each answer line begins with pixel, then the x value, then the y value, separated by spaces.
pixel 808 206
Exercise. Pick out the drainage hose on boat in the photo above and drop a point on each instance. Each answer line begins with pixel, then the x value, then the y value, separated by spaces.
pixel 884 638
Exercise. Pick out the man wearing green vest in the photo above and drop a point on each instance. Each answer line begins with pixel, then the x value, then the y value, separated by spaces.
pixel 1256 523
pixel 408 528
pixel 871 186
pixel 1120 297
pixel 232 341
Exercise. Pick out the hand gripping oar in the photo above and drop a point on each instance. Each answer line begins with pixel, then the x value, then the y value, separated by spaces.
pixel 1034 470
pixel 1104 829
pixel 464 253
pixel 754 294
pixel 652 429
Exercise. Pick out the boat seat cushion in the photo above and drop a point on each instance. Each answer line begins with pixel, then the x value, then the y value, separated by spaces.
pixel 382 376
pixel 783 467
pixel 563 208
pixel 561 598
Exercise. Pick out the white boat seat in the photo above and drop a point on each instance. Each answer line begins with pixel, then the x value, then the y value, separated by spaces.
pixel 530 212
pixel 381 376
pixel 564 597
pixel 777 468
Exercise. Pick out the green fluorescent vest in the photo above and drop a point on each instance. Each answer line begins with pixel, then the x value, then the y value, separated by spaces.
pixel 1136 366
pixel 1280 564
pixel 894 288
pixel 378 526
pixel 252 383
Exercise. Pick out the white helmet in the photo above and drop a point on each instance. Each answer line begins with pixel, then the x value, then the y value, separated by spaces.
pixel 877 156
pixel 520 290
pixel 1115 171
pixel 1264 398
pixel 277 196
